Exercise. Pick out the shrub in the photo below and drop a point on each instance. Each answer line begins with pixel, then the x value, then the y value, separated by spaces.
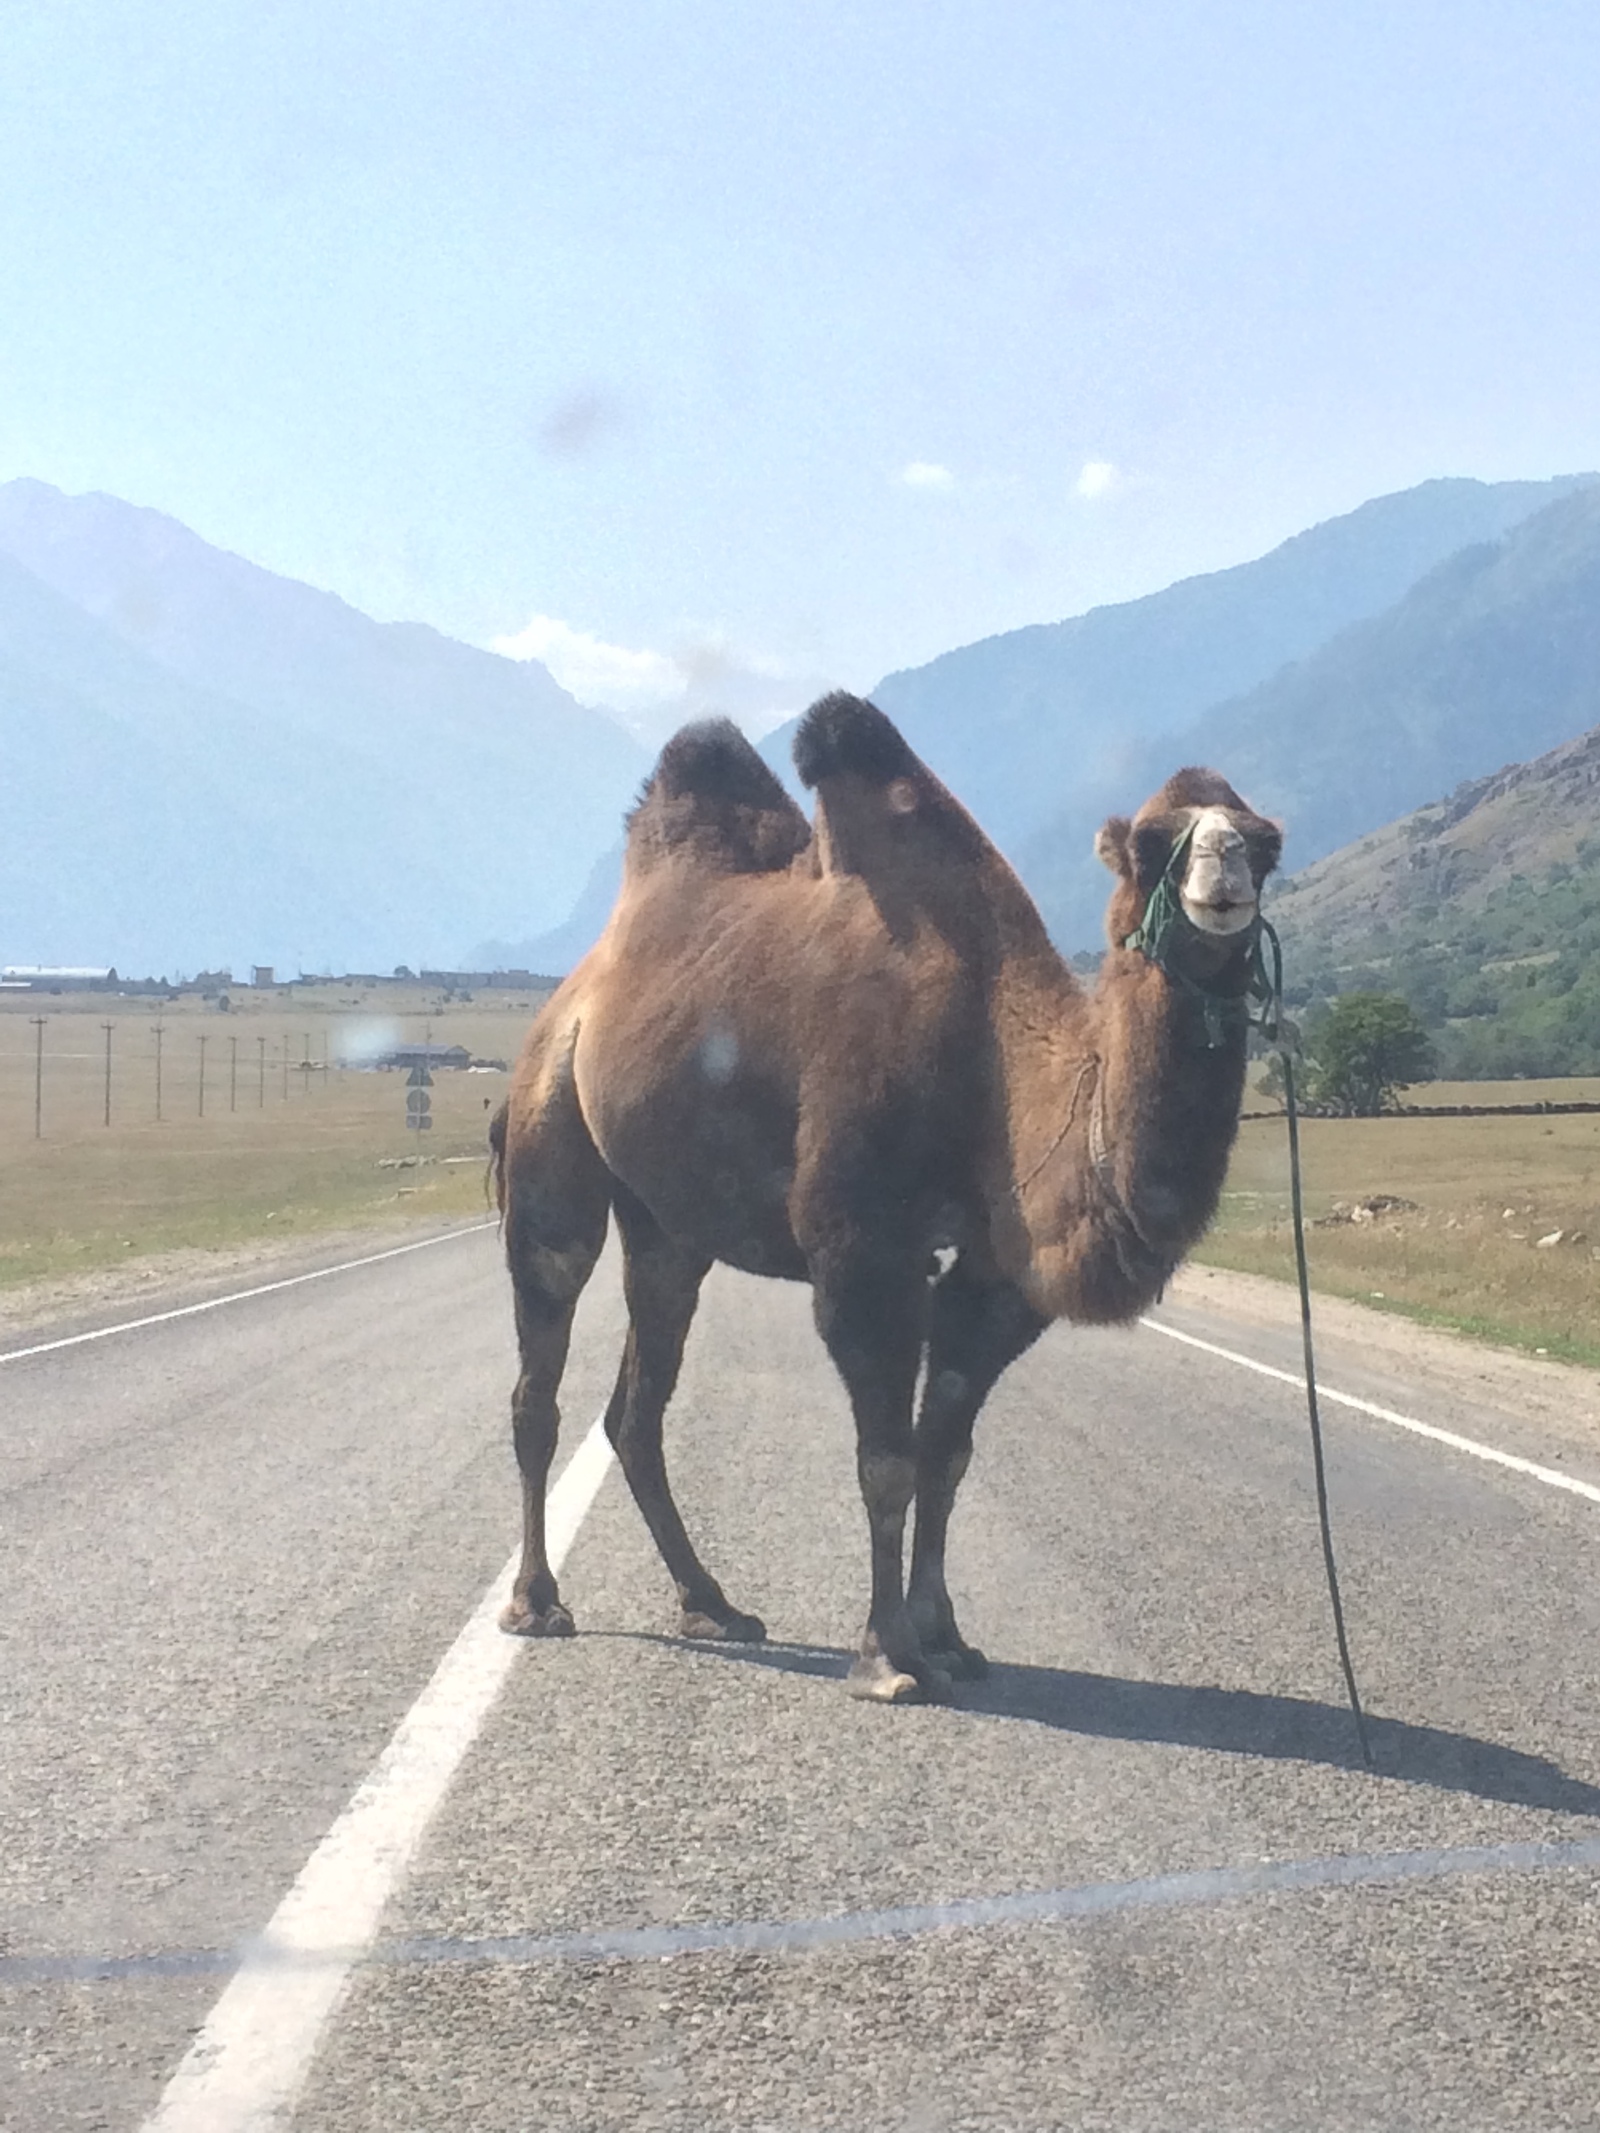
pixel 1366 1047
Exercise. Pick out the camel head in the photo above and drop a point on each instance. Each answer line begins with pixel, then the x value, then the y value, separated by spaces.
pixel 1211 848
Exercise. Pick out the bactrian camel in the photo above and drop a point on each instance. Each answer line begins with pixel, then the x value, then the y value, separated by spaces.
pixel 836 1053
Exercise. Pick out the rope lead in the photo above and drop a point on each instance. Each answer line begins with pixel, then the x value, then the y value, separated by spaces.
pixel 1163 919
pixel 1292 1112
pixel 1266 986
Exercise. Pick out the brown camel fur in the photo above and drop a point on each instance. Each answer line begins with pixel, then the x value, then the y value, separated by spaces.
pixel 832 1053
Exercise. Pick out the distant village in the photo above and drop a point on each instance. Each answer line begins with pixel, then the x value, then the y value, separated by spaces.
pixel 215 988
pixel 213 984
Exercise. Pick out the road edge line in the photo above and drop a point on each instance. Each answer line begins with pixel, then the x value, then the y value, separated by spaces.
pixel 247 2062
pixel 265 1288
pixel 1450 1437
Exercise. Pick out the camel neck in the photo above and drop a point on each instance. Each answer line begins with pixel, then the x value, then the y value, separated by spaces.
pixel 1123 1114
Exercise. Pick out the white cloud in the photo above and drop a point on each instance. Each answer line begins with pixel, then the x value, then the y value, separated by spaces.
pixel 593 671
pixel 927 474
pixel 653 693
pixel 1098 478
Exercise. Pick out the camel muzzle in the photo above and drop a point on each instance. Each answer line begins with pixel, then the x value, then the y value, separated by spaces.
pixel 1218 891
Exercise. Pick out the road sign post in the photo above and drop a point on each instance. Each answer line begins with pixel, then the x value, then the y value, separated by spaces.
pixel 419 1104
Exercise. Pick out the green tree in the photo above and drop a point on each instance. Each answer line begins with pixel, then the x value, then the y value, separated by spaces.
pixel 1366 1046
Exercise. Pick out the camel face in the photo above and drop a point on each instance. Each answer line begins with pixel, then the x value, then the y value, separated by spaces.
pixel 1218 891
pixel 1225 852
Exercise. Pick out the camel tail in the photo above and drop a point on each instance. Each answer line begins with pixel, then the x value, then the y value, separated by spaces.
pixel 497 1159
pixel 845 734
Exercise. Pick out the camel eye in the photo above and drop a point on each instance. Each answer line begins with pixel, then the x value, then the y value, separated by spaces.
pixel 1152 848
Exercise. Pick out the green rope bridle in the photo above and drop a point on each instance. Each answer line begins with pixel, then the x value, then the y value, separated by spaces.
pixel 1164 926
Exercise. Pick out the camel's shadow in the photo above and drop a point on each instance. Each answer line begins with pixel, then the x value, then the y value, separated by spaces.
pixel 1230 1721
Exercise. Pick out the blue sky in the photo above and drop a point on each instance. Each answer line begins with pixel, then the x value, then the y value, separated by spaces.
pixel 774 345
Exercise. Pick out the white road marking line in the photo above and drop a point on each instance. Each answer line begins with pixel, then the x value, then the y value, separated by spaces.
pixel 245 2066
pixel 788 1936
pixel 1205 1885
pixel 1546 1474
pixel 215 1303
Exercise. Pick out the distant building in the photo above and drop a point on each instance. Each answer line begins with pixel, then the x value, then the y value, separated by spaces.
pixel 44 977
pixel 261 973
pixel 425 1055
pixel 480 980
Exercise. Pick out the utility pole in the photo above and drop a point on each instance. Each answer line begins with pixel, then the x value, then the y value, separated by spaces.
pixel 108 1027
pixel 305 1064
pixel 159 1032
pixel 286 1066
pixel 38 1022
pixel 202 1077
pixel 261 1073
pixel 233 1073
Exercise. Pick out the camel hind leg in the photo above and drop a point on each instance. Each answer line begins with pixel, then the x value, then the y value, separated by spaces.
pixel 555 1200
pixel 661 1279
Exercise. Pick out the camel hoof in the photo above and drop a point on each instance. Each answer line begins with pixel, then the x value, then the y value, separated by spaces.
pixel 962 1662
pixel 875 1679
pixel 725 1629
pixel 518 1619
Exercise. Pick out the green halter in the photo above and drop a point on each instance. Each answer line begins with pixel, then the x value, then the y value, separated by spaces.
pixel 1165 922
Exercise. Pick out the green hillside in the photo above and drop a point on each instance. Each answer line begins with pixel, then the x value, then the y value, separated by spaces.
pixel 1483 909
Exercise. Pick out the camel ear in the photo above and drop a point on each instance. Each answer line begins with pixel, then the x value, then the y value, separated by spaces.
pixel 1266 848
pixel 1111 843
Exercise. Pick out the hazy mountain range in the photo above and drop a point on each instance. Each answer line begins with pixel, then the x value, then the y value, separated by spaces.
pixel 206 762
pixel 1019 724
pixel 1043 731
pixel 1491 657
pixel 212 762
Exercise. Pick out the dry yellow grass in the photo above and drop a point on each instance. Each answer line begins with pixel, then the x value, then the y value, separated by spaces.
pixel 315 1149
pixel 273 1152
pixel 1467 1255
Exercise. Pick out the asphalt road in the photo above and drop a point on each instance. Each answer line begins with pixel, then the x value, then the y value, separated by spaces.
pixel 1136 1880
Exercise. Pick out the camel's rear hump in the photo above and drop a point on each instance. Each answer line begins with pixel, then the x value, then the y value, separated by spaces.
pixel 711 796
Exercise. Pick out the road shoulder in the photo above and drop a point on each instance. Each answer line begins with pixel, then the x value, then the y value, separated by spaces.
pixel 1566 1396
pixel 163 1281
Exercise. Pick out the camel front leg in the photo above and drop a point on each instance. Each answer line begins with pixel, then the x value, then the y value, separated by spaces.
pixel 977 1328
pixel 871 1313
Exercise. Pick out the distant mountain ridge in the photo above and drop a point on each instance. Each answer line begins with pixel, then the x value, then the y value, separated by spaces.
pixel 1039 721
pixel 1045 730
pixel 1518 823
pixel 217 762
pixel 214 762
pixel 1482 908
pixel 1493 655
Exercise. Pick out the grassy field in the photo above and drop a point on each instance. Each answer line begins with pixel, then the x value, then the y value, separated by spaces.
pixel 1466 1252
pixel 284 1142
